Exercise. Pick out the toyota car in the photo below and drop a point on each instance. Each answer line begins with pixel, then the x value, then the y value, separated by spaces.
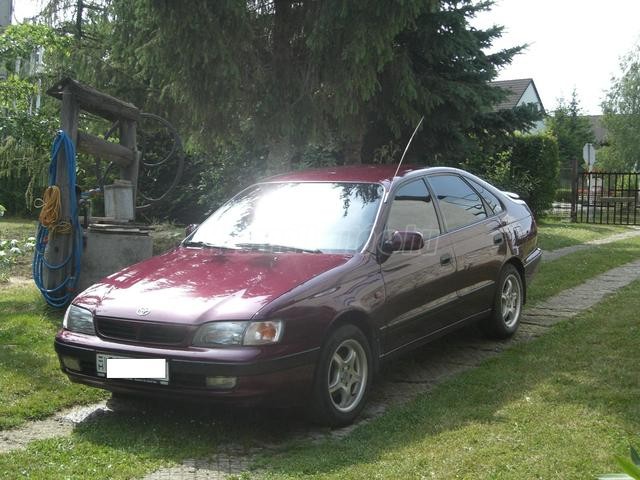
pixel 299 287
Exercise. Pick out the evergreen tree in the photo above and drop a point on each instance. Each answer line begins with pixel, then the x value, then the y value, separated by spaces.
pixel 572 131
pixel 353 74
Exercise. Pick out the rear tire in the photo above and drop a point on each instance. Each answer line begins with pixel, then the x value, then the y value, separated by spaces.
pixel 343 377
pixel 505 316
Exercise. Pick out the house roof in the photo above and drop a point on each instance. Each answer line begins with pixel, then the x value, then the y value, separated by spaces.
pixel 515 90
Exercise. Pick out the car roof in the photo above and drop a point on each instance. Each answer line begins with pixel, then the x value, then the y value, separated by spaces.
pixel 352 173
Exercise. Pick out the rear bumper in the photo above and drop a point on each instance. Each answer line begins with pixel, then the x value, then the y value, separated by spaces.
pixel 283 380
pixel 531 264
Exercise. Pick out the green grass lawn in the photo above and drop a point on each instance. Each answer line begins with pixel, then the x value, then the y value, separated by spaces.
pixel 17 228
pixel 571 270
pixel 554 233
pixel 556 408
pixel 31 384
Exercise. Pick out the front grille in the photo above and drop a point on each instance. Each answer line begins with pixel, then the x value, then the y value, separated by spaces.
pixel 144 332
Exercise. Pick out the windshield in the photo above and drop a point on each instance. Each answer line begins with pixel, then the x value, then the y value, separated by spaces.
pixel 313 217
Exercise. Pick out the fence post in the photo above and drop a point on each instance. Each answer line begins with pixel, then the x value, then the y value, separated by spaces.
pixel 574 190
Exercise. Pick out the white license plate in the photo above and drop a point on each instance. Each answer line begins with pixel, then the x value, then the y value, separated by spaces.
pixel 152 370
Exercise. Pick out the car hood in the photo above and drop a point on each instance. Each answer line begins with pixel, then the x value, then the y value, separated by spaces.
pixel 193 285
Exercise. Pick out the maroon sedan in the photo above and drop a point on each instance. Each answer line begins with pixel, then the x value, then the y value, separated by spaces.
pixel 300 286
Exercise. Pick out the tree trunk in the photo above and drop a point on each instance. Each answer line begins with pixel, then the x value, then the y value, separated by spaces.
pixel 352 148
pixel 280 155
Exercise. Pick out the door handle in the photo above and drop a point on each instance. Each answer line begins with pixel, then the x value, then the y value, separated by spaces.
pixel 498 238
pixel 445 259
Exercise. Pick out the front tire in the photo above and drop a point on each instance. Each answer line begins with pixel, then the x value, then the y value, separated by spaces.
pixel 343 377
pixel 507 305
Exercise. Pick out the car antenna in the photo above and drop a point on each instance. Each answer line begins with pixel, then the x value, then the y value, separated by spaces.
pixel 386 197
pixel 408 144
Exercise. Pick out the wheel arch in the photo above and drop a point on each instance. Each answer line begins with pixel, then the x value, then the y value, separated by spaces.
pixel 362 321
pixel 519 266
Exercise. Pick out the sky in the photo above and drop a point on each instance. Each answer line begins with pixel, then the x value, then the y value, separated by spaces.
pixel 572 43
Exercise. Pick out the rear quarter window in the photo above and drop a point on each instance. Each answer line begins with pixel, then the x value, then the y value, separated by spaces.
pixel 489 198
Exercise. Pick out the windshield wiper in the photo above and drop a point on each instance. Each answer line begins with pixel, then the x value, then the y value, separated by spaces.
pixel 206 245
pixel 271 247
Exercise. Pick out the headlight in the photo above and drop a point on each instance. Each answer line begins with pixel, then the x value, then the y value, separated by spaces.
pixel 238 333
pixel 79 320
pixel 220 333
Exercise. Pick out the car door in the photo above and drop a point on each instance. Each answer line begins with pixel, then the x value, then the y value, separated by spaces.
pixel 419 286
pixel 477 239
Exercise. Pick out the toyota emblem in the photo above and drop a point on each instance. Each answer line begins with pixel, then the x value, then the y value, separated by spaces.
pixel 143 311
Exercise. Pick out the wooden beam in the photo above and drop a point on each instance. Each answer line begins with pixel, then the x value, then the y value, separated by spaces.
pixel 94 101
pixel 128 131
pixel 112 152
pixel 59 245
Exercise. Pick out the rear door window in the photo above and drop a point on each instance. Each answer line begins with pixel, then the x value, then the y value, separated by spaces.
pixel 459 204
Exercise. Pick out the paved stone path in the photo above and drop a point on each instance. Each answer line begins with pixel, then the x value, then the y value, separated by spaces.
pixel 61 424
pixel 418 373
pixel 399 382
pixel 561 252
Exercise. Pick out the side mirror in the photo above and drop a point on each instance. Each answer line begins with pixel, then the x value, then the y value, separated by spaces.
pixel 403 242
pixel 190 229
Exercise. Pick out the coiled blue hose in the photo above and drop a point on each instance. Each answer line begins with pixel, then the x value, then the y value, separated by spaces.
pixel 60 295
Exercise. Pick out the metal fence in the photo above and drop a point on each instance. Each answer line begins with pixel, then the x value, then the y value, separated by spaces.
pixel 608 198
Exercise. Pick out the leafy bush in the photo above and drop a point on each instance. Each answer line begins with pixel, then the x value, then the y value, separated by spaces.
pixel 563 195
pixel 536 156
pixel 525 164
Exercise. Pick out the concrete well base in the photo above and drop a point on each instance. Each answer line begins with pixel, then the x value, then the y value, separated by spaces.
pixel 106 253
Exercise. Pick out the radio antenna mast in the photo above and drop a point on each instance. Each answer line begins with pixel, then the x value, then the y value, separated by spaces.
pixel 408 144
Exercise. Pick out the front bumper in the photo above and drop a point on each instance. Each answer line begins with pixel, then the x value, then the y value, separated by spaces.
pixel 285 379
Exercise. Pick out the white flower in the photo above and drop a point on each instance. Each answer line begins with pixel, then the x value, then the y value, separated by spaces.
pixel 3 253
pixel 31 239
pixel 15 250
pixel 3 243
pixel 29 245
pixel 13 242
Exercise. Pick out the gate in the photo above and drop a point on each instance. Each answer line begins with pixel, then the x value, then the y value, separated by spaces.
pixel 607 198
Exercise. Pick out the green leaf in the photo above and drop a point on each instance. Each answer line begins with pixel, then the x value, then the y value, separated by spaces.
pixel 634 456
pixel 629 467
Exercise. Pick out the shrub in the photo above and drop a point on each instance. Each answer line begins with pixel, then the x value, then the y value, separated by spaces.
pixel 563 195
pixel 536 156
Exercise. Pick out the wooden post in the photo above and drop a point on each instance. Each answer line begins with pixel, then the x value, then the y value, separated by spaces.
pixel 128 131
pixel 574 190
pixel 60 245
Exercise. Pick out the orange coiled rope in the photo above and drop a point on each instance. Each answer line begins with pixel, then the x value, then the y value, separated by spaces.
pixel 50 213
